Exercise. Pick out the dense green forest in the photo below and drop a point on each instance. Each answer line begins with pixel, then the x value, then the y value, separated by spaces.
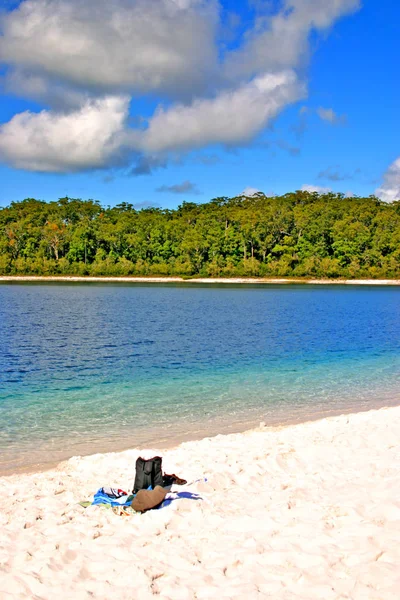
pixel 300 234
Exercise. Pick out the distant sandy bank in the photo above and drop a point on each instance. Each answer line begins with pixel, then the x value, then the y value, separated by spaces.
pixel 224 280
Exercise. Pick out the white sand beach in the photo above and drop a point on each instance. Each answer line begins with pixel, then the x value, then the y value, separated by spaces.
pixel 209 280
pixel 305 511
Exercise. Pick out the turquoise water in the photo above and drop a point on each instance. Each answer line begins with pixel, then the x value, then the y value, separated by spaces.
pixel 91 367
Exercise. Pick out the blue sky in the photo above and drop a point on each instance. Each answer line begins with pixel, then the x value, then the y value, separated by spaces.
pixel 160 101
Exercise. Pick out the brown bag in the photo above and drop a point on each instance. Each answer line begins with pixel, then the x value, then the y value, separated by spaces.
pixel 148 499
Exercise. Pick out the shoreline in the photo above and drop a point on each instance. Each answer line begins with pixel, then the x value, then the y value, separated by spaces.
pixel 207 280
pixel 222 429
pixel 306 511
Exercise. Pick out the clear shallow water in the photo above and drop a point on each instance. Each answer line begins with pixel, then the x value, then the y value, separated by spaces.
pixel 92 368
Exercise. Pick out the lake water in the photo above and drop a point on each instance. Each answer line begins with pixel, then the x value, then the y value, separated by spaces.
pixel 98 367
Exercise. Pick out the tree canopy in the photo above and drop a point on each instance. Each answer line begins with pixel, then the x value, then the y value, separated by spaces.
pixel 300 234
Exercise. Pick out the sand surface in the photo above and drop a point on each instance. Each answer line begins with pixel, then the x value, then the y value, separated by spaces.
pixel 226 280
pixel 308 511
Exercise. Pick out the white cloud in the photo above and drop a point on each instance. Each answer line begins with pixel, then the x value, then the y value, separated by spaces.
pixel 133 45
pixel 57 94
pixel 315 188
pixel 96 135
pixel 56 142
pixel 86 59
pixel 249 191
pixel 233 117
pixel 390 188
pixel 281 42
pixel 328 114
pixel 163 46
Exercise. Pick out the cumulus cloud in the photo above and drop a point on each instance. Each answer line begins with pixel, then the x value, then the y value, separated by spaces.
pixel 163 46
pixel 390 188
pixel 250 191
pixel 315 188
pixel 328 114
pixel 88 60
pixel 186 187
pixel 57 142
pixel 97 133
pixel 282 41
pixel 230 118
pixel 57 94
pixel 130 45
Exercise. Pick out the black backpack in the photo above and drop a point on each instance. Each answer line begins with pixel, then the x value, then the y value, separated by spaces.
pixel 148 473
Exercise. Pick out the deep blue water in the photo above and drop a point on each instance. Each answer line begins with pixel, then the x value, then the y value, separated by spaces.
pixel 91 367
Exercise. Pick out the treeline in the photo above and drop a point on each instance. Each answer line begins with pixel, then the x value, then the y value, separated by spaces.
pixel 299 234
